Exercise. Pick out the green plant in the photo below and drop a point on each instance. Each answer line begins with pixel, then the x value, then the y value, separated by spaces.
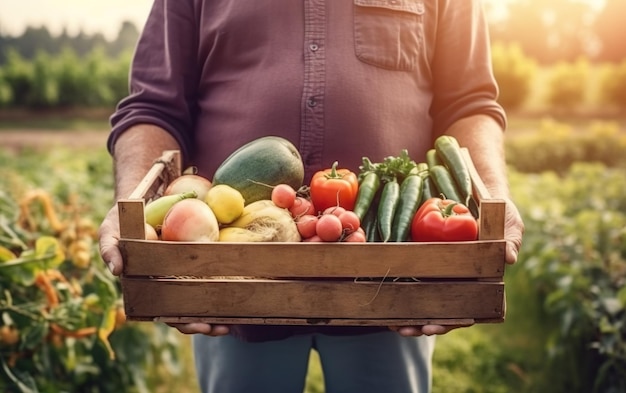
pixel 514 72
pixel 556 146
pixel 64 80
pixel 613 84
pixel 44 92
pixel 60 325
pixel 575 257
pixel 567 85
pixel 6 96
pixel 565 329
pixel 18 76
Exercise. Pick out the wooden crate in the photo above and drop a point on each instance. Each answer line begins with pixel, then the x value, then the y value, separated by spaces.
pixel 351 284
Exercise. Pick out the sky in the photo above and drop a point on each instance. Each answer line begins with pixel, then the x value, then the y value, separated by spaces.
pixel 92 16
pixel 104 16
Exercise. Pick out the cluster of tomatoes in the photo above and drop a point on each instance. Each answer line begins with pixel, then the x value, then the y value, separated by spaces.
pixel 332 224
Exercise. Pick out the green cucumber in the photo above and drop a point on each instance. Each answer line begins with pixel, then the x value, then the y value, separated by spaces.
pixel 368 187
pixel 429 189
pixel 408 203
pixel 387 207
pixel 445 183
pixel 370 224
pixel 432 158
pixel 449 150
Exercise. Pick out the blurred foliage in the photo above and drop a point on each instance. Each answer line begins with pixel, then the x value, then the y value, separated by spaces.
pixel 39 39
pixel 64 80
pixel 568 85
pixel 613 85
pixel 62 325
pixel 555 146
pixel 575 257
pixel 514 72
pixel 566 298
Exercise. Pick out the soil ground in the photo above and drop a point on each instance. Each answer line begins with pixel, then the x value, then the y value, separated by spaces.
pixel 72 128
pixel 20 139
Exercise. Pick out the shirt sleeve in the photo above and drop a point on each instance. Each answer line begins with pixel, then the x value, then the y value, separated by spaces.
pixel 464 83
pixel 163 75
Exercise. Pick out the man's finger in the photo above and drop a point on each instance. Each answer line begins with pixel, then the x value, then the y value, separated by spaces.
pixel 201 328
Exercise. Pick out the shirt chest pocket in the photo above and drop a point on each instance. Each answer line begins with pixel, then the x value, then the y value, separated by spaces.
pixel 388 33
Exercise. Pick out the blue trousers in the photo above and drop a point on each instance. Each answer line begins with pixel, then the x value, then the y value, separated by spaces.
pixel 370 363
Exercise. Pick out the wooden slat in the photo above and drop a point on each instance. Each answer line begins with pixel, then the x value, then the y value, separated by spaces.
pixel 480 190
pixel 453 260
pixel 167 165
pixel 131 209
pixel 312 299
pixel 320 321
pixel 132 222
pixel 491 220
pixel 492 211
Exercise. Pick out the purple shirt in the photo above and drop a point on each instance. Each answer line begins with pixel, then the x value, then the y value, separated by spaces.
pixel 341 79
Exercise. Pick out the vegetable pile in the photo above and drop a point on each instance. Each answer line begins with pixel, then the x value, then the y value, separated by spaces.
pixel 395 200
pixel 395 194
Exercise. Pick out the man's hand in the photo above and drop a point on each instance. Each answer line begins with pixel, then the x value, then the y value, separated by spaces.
pixel 513 232
pixel 109 235
pixel 426 330
pixel 201 328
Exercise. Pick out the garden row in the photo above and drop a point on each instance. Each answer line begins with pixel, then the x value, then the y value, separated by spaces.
pixel 96 80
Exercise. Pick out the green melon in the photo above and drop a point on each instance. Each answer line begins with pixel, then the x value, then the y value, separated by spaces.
pixel 257 166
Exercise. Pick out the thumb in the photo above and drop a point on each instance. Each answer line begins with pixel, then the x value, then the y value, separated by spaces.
pixel 111 255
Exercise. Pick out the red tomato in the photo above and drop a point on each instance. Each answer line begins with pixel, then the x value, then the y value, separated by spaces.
pixel 329 227
pixel 283 195
pixel 443 220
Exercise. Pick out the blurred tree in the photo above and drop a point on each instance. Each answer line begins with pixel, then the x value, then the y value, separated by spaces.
pixel 32 39
pixel 39 39
pixel 610 29
pixel 43 92
pixel 3 45
pixel 567 85
pixel 514 72
pixel 117 75
pixel 82 43
pixel 126 39
pixel 18 76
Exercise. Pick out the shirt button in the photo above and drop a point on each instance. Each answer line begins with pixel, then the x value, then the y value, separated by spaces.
pixel 313 47
pixel 311 102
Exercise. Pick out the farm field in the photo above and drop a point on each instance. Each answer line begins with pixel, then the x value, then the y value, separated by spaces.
pixel 505 357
